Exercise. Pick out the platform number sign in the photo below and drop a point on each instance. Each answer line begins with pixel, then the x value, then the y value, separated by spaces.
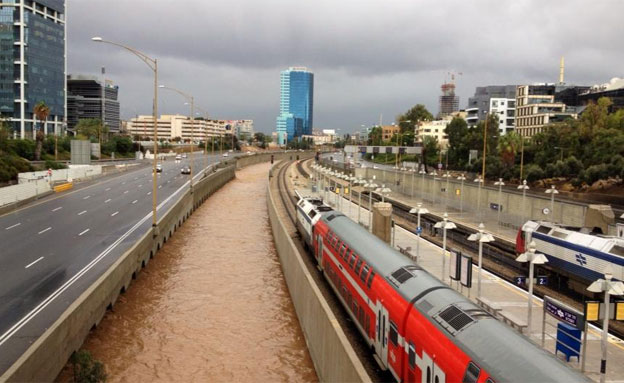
pixel 520 281
pixel 542 280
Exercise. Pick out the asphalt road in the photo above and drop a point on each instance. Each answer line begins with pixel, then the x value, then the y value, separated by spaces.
pixel 51 251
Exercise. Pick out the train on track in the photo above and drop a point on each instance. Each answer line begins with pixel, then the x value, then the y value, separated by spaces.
pixel 574 252
pixel 417 327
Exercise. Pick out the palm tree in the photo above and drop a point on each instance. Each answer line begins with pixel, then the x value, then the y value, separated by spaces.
pixel 41 112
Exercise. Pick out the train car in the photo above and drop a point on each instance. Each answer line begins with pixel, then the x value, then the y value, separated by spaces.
pixel 419 328
pixel 308 213
pixel 582 254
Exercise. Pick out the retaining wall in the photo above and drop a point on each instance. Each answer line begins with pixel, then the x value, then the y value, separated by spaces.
pixel 513 212
pixel 45 358
pixel 333 356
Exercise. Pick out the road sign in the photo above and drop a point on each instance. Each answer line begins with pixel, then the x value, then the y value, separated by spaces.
pixel 418 230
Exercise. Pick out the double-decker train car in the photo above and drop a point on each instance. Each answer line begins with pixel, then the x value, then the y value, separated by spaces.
pixel 418 328
pixel 583 255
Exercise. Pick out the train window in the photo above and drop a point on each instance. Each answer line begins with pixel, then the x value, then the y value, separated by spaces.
pixel 352 260
pixel 543 229
pixel 411 356
pixel 358 265
pixel 559 234
pixel 343 248
pixel 312 213
pixel 394 334
pixel 472 373
pixel 617 250
pixel 370 279
pixel 364 273
pixel 336 243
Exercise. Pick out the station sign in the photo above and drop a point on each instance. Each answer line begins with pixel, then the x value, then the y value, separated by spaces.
pixel 539 280
pixel 564 313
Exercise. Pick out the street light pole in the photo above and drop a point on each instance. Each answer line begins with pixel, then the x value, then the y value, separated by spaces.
pixel 552 191
pixel 609 288
pixel 422 184
pixel 462 178
pixel 152 63
pixel 418 211
pixel 191 100
pixel 370 185
pixel 481 237
pixel 447 175
pixel 479 180
pixel 533 259
pixel 500 185
pixel 444 225
pixel 524 188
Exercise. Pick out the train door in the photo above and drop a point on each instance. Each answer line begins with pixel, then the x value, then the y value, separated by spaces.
pixel 381 338
pixel 319 250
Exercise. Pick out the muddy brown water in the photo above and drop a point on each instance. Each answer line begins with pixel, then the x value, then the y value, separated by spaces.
pixel 212 306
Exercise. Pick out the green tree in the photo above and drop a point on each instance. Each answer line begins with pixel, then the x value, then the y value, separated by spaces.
pixel 91 129
pixel 430 151
pixel 41 112
pixel 456 131
pixel 508 148
pixel 594 117
pixel 375 135
pixel 408 121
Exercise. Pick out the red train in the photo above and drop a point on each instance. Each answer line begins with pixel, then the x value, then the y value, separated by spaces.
pixel 418 328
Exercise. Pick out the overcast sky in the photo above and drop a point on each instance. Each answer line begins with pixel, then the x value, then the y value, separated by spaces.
pixel 368 57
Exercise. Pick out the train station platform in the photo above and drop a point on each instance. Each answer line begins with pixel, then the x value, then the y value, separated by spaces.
pixel 507 301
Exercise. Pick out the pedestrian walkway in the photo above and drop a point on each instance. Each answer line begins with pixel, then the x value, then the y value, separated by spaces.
pixel 509 300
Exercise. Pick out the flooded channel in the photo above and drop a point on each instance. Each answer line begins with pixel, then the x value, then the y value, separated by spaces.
pixel 212 306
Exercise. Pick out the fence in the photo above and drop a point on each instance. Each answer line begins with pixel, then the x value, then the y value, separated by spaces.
pixel 22 191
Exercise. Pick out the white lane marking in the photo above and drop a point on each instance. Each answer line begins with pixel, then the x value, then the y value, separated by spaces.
pixel 58 208
pixel 32 263
pixel 44 230
pixel 82 212
pixel 83 232
pixel 87 197
pixel 159 186
pixel 12 226
pixel 135 201
pixel 26 318
pixel 148 193
pixel 107 189
pixel 123 183
pixel 114 214
pixel 126 192
pixel 140 186
pixel 136 178
pixel 168 181
pixel 107 201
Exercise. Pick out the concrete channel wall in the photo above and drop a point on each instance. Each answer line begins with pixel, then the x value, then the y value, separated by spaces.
pixel 45 358
pixel 513 211
pixel 333 356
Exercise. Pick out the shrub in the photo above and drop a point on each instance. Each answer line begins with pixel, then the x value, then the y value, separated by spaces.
pixel 49 164
pixel 534 173
pixel 574 166
pixel 86 369
pixel 595 173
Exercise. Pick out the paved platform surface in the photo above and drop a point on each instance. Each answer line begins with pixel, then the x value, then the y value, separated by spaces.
pixel 510 298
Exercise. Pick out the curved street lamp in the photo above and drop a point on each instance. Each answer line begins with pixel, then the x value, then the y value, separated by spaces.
pixel 191 100
pixel 152 63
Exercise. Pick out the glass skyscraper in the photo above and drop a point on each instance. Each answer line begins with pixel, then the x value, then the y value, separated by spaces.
pixel 296 104
pixel 32 63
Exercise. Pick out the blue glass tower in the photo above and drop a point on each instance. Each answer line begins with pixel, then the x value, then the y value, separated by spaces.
pixel 32 63
pixel 296 104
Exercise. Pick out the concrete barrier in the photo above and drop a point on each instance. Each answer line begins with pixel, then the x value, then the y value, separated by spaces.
pixel 45 358
pixel 63 187
pixel 334 358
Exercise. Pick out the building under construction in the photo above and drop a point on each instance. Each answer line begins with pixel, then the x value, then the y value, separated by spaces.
pixel 449 102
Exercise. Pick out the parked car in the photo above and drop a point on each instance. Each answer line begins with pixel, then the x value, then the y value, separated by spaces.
pixel 184 155
pixel 186 170
pixel 158 168
pixel 225 155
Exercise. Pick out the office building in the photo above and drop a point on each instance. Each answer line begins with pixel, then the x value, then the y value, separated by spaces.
pixel 296 104
pixel 435 129
pixel 84 100
pixel 176 127
pixel 244 129
pixel 504 109
pixel 538 105
pixel 614 89
pixel 480 104
pixel 449 101
pixel 32 64
pixel 388 131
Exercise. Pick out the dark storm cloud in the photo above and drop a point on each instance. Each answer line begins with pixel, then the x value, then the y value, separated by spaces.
pixel 368 57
